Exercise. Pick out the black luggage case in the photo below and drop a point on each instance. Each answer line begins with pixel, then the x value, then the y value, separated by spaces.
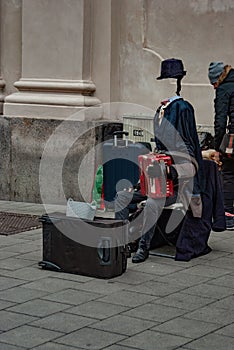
pixel 65 245
pixel 120 165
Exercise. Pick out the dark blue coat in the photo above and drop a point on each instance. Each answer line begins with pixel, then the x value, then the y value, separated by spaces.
pixel 177 133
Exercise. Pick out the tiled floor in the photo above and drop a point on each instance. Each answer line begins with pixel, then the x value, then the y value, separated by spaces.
pixel 160 304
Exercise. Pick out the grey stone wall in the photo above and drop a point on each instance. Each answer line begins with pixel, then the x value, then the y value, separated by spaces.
pixel 50 160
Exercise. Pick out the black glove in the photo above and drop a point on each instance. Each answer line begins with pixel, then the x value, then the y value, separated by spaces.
pixel 137 187
pixel 154 170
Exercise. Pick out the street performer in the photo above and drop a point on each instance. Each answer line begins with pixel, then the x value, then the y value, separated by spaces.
pixel 175 133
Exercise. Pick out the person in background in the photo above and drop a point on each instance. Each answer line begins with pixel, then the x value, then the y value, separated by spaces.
pixel 222 78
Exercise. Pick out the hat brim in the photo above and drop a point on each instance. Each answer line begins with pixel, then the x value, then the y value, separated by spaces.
pixel 174 77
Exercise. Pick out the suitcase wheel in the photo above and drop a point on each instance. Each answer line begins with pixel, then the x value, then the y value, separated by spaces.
pixel 49 265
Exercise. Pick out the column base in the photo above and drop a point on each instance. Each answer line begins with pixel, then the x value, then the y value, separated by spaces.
pixel 42 98
pixel 38 111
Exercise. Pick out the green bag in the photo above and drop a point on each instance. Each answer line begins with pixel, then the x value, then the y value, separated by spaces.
pixel 97 186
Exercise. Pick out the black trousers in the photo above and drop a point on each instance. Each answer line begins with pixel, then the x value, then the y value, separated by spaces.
pixel 228 183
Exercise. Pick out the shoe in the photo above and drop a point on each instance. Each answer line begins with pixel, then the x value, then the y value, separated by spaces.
pixel 140 256
pixel 229 223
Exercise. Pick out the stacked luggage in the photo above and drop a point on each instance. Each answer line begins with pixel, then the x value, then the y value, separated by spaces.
pixel 120 165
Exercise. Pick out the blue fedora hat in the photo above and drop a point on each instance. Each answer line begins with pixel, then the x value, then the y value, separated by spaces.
pixel 171 68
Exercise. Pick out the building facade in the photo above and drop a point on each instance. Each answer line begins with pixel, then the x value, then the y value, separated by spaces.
pixel 59 56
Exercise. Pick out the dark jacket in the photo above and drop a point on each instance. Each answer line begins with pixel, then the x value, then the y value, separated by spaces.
pixel 177 133
pixel 195 232
pixel 224 108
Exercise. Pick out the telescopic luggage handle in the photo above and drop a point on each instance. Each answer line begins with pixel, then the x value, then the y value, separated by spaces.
pixel 116 133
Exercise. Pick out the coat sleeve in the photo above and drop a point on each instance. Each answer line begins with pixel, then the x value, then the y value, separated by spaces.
pixel 185 170
pixel 221 105
pixel 189 130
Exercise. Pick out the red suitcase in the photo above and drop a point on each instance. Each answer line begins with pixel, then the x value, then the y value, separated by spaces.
pixel 157 187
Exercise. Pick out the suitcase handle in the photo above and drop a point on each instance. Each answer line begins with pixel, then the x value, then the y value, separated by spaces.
pixel 104 252
pixel 116 133
pixel 126 133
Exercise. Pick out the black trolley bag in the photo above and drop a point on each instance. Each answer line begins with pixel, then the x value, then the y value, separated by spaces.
pixel 92 248
pixel 120 165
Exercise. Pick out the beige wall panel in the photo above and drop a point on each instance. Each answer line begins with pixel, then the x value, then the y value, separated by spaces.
pixel 10 45
pixel 52 39
pixel 101 45
pixel 197 31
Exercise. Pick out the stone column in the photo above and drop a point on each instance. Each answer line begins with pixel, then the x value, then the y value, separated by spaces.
pixel 56 60
pixel 2 83
pixel 10 45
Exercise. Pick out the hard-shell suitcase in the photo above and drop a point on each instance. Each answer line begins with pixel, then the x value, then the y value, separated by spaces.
pixel 157 187
pixel 120 165
pixel 92 248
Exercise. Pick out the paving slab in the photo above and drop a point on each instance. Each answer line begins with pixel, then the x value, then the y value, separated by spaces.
pixel 10 347
pixel 133 276
pixel 209 291
pixel 5 254
pixel 159 269
pixel 126 298
pixel 184 301
pixel 184 279
pixel 151 340
pixel 118 347
pixel 27 336
pixel 91 339
pixel 63 322
pixel 155 288
pixel 72 296
pixel 54 346
pixel 103 286
pixel 212 314
pixel 227 330
pixel 225 281
pixel 5 304
pixel 20 294
pixel 226 262
pixel 38 307
pixel 6 283
pixel 155 312
pixel 97 309
pixel 49 283
pixel 14 264
pixel 206 271
pixel 24 246
pixel 212 341
pixel 29 273
pixel 186 328
pixel 225 303
pixel 123 325
pixel 10 320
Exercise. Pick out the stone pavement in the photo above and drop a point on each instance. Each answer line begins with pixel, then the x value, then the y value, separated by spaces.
pixel 156 305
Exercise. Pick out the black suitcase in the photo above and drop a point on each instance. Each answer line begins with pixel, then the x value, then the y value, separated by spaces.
pixel 92 248
pixel 120 165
